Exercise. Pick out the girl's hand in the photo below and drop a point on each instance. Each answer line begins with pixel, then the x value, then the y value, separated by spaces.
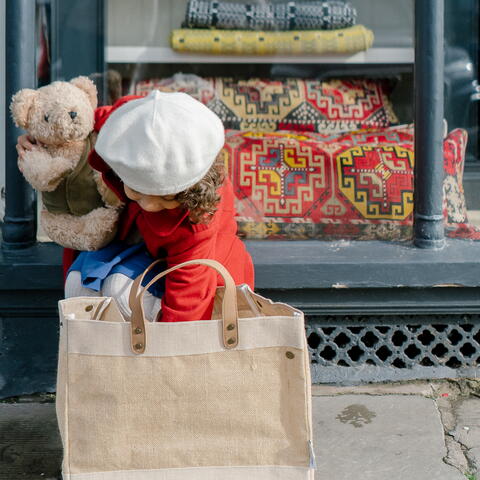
pixel 25 144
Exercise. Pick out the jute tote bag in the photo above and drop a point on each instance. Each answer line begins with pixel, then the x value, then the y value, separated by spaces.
pixel 221 399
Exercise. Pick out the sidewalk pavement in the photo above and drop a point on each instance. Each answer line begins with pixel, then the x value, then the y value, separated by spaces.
pixel 396 431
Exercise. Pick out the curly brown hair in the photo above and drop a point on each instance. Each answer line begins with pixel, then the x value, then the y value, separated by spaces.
pixel 201 199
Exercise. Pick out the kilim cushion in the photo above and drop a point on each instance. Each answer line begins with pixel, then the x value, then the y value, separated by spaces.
pixel 294 42
pixel 289 104
pixel 292 185
pixel 291 15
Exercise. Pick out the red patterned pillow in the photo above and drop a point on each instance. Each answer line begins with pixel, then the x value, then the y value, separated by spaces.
pixel 292 185
pixel 289 104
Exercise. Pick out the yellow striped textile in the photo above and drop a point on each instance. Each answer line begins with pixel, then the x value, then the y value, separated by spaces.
pixel 241 42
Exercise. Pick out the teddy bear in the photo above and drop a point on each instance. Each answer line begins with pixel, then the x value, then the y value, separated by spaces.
pixel 79 211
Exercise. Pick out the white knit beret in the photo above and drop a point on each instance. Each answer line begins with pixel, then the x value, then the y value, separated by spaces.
pixel 161 144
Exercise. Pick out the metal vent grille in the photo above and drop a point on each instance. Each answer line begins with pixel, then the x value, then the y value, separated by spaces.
pixel 394 343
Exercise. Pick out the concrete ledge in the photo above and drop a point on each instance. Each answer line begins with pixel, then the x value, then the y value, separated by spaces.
pixel 297 265
pixel 424 389
pixel 363 264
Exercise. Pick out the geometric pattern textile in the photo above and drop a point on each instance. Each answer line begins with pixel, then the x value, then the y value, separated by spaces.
pixel 336 105
pixel 290 15
pixel 202 89
pixel 295 42
pixel 305 185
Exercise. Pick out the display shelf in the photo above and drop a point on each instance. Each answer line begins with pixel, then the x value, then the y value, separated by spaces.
pixel 129 54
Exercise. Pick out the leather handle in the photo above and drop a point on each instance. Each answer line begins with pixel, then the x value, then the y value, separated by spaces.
pixel 137 322
pixel 229 304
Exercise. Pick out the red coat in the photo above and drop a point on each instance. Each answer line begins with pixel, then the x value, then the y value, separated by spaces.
pixel 169 234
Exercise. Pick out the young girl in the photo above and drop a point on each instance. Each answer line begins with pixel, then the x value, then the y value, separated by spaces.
pixel 159 155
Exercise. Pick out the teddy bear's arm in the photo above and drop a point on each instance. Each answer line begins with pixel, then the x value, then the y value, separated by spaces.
pixel 87 232
pixel 108 197
pixel 43 171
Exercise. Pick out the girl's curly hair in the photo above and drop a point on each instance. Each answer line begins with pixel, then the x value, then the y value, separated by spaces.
pixel 201 199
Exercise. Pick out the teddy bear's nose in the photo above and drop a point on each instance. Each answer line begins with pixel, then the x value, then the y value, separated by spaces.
pixel 72 114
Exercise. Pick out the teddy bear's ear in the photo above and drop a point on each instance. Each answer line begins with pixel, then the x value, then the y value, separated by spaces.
pixel 21 103
pixel 85 84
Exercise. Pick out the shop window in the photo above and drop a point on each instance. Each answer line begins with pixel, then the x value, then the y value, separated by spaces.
pixel 317 106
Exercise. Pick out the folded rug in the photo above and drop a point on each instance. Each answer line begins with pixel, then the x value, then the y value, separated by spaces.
pixel 290 15
pixel 357 185
pixel 241 42
pixel 335 105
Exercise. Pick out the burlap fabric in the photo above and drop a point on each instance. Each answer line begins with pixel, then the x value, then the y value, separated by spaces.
pixel 189 407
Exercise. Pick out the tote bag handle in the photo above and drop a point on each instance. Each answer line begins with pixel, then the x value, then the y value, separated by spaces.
pixel 229 304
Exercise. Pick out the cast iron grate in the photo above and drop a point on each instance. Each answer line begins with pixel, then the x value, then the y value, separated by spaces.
pixel 399 341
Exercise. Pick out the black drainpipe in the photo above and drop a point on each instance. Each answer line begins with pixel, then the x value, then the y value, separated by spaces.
pixel 429 39
pixel 19 228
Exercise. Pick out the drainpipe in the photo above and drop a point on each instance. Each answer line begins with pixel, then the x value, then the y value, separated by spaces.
pixel 429 40
pixel 19 228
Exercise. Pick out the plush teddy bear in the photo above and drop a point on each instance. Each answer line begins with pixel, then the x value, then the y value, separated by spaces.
pixel 79 212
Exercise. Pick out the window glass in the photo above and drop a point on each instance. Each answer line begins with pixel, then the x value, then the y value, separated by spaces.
pixel 317 104
pixel 43 56
pixel 462 93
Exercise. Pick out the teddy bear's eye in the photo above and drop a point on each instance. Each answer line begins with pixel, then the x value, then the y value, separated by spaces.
pixel 45 117
pixel 72 114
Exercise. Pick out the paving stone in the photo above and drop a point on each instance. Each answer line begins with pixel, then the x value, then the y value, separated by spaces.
pixel 30 446
pixel 455 455
pixel 365 437
pixel 467 430
pixel 361 437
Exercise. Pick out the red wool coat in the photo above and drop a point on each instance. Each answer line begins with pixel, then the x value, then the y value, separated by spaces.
pixel 169 234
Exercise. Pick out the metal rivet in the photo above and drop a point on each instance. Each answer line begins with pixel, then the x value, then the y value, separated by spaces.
pixel 89 308
pixel 231 341
pixel 290 355
pixel 138 346
pixel 230 327
pixel 138 330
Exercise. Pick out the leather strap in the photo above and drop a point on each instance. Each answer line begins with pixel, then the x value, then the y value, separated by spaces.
pixel 229 304
pixel 137 322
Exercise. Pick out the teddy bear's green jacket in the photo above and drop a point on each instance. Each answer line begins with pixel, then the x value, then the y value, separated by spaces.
pixel 78 193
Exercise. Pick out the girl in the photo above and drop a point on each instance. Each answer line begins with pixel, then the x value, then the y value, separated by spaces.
pixel 159 154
